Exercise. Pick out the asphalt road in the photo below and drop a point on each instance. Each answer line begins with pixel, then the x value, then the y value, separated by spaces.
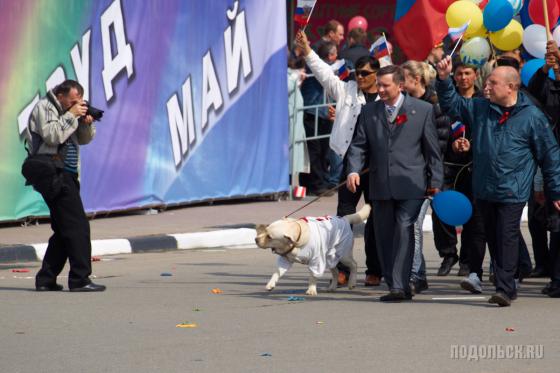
pixel 132 326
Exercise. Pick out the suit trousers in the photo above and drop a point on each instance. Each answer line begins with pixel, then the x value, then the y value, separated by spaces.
pixel 71 237
pixel 347 202
pixel 503 234
pixel 394 233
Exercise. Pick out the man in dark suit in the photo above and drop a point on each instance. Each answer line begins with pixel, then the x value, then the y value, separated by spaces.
pixel 398 136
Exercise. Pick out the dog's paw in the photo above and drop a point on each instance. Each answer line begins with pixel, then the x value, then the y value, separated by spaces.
pixel 351 283
pixel 311 291
pixel 270 286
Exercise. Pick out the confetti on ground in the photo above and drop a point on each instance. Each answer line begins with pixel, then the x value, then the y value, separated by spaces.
pixel 20 270
pixel 266 354
pixel 166 274
pixel 510 330
pixel 95 259
pixel 320 322
pixel 197 309
pixel 296 299
pixel 186 325
pixel 216 291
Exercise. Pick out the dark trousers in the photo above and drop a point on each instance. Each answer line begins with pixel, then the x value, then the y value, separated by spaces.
pixel 71 237
pixel 503 234
pixel 317 179
pixel 347 202
pixel 555 257
pixel 539 235
pixel 394 233
pixel 473 240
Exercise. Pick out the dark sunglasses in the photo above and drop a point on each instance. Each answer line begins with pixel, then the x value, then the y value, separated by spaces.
pixel 364 73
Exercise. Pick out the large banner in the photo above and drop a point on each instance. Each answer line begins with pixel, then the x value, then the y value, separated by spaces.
pixel 194 94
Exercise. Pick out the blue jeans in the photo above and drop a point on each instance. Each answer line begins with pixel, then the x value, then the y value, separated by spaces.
pixel 418 263
pixel 335 170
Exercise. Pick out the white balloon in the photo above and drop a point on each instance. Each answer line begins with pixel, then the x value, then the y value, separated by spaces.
pixel 475 51
pixel 534 40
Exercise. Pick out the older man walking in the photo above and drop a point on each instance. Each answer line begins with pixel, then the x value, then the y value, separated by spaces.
pixel 510 136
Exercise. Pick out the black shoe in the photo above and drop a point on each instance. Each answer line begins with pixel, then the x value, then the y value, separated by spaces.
pixel 539 272
pixel 500 299
pixel 396 296
pixel 418 286
pixel 51 287
pixel 554 290
pixel 446 265
pixel 546 288
pixel 464 270
pixel 89 287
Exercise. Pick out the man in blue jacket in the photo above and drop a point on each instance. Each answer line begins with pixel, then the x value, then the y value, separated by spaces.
pixel 510 136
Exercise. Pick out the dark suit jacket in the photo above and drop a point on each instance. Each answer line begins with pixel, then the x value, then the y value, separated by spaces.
pixel 405 159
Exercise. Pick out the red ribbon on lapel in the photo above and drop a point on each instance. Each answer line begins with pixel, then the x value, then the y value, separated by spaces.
pixel 401 119
pixel 504 118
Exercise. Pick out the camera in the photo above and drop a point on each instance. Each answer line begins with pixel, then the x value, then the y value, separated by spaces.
pixel 95 113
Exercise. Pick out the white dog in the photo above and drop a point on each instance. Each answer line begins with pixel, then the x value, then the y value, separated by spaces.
pixel 317 242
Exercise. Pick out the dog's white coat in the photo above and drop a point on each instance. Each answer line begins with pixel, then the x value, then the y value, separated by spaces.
pixel 319 243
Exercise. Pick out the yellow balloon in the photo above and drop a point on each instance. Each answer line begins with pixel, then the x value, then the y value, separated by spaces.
pixel 508 38
pixel 482 32
pixel 463 11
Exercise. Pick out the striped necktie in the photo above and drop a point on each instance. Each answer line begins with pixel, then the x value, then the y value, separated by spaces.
pixel 390 111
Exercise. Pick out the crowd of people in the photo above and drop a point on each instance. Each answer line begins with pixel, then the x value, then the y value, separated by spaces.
pixel 399 134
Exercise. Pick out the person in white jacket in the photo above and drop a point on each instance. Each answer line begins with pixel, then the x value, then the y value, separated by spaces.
pixel 350 97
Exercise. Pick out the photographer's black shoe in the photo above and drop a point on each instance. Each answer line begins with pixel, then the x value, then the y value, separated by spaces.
pixel 51 287
pixel 89 288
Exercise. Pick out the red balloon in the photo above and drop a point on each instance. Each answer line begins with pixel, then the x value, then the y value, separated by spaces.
pixel 357 22
pixel 441 5
pixel 536 12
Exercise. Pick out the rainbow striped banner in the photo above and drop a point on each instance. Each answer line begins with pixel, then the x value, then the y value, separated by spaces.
pixel 194 94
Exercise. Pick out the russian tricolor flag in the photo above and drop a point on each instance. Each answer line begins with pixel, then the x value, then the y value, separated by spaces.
pixel 456 33
pixel 303 11
pixel 341 69
pixel 379 48
pixel 458 130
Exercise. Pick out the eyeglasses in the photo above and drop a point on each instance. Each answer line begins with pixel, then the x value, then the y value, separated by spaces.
pixel 364 73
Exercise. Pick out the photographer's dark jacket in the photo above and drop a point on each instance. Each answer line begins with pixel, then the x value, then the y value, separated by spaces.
pixel 50 126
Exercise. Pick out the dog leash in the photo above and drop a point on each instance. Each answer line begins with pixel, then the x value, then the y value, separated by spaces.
pixel 323 194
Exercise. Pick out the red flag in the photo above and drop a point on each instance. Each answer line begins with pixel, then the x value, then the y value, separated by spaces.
pixel 411 16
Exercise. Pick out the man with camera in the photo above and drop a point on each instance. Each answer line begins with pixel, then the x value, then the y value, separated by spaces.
pixel 58 125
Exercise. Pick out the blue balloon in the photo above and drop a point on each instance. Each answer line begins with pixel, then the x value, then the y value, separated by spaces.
pixel 452 207
pixel 530 68
pixel 497 14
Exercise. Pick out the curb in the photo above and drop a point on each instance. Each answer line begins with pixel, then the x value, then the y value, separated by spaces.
pixel 240 238
pixel 231 238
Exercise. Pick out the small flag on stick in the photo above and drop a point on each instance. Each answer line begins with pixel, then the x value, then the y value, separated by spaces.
pixel 456 33
pixel 303 11
pixel 458 130
pixel 340 69
pixel 379 48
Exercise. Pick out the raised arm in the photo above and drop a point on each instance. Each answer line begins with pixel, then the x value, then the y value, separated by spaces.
pixel 450 101
pixel 323 72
